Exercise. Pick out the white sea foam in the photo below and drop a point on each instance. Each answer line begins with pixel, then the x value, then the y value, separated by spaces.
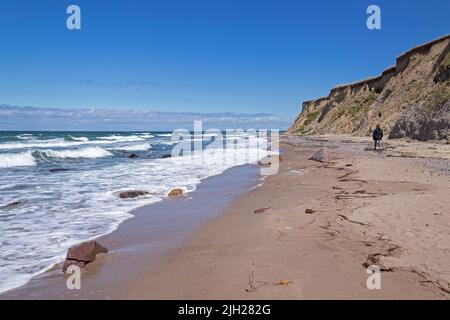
pixel 23 159
pixel 52 143
pixel 83 204
pixel 207 135
pixel 82 139
pixel 121 138
pixel 146 135
pixel 88 153
pixel 164 135
pixel 25 136
pixel 61 143
pixel 134 147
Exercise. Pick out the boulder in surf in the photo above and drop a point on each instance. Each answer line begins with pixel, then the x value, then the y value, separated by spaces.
pixel 132 194
pixel 82 254
pixel 175 193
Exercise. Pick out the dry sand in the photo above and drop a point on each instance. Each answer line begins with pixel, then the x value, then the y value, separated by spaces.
pixel 386 208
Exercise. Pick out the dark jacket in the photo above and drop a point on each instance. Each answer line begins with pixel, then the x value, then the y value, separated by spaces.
pixel 377 134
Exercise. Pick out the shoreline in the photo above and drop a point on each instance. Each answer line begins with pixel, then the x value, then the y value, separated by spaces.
pixel 148 236
pixel 284 253
pixel 386 209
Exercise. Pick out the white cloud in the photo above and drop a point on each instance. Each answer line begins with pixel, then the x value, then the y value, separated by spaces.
pixel 31 118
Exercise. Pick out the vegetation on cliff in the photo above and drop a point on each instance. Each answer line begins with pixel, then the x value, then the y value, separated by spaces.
pixel 408 100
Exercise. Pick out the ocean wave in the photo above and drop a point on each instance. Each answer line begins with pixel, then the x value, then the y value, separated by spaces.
pixel 211 134
pixel 82 204
pixel 135 147
pixel 25 136
pixel 23 159
pixel 82 139
pixel 164 135
pixel 146 135
pixel 88 153
pixel 168 143
pixel 39 144
pixel 117 138
pixel 58 143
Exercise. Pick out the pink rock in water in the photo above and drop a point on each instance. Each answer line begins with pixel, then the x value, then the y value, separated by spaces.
pixel 321 156
pixel 83 253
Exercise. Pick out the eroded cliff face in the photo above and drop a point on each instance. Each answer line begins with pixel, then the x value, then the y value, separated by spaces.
pixel 410 99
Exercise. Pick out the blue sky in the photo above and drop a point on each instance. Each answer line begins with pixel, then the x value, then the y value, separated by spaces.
pixel 211 56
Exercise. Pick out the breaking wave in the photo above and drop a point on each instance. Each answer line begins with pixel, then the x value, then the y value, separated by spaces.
pixel 135 147
pixel 82 139
pixel 23 159
pixel 88 153
pixel 118 138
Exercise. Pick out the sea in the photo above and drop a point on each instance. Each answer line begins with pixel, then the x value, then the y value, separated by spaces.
pixel 58 189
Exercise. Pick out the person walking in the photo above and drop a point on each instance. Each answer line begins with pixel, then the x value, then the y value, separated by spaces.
pixel 377 136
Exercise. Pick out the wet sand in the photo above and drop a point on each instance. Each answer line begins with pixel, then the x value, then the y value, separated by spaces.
pixel 144 240
pixel 388 209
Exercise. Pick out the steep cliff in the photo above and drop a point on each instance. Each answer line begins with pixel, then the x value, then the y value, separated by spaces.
pixel 410 99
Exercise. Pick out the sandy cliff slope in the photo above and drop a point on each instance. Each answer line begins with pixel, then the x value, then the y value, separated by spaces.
pixel 410 99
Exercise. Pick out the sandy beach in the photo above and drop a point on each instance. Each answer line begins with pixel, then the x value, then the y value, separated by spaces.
pixel 226 151
pixel 388 209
